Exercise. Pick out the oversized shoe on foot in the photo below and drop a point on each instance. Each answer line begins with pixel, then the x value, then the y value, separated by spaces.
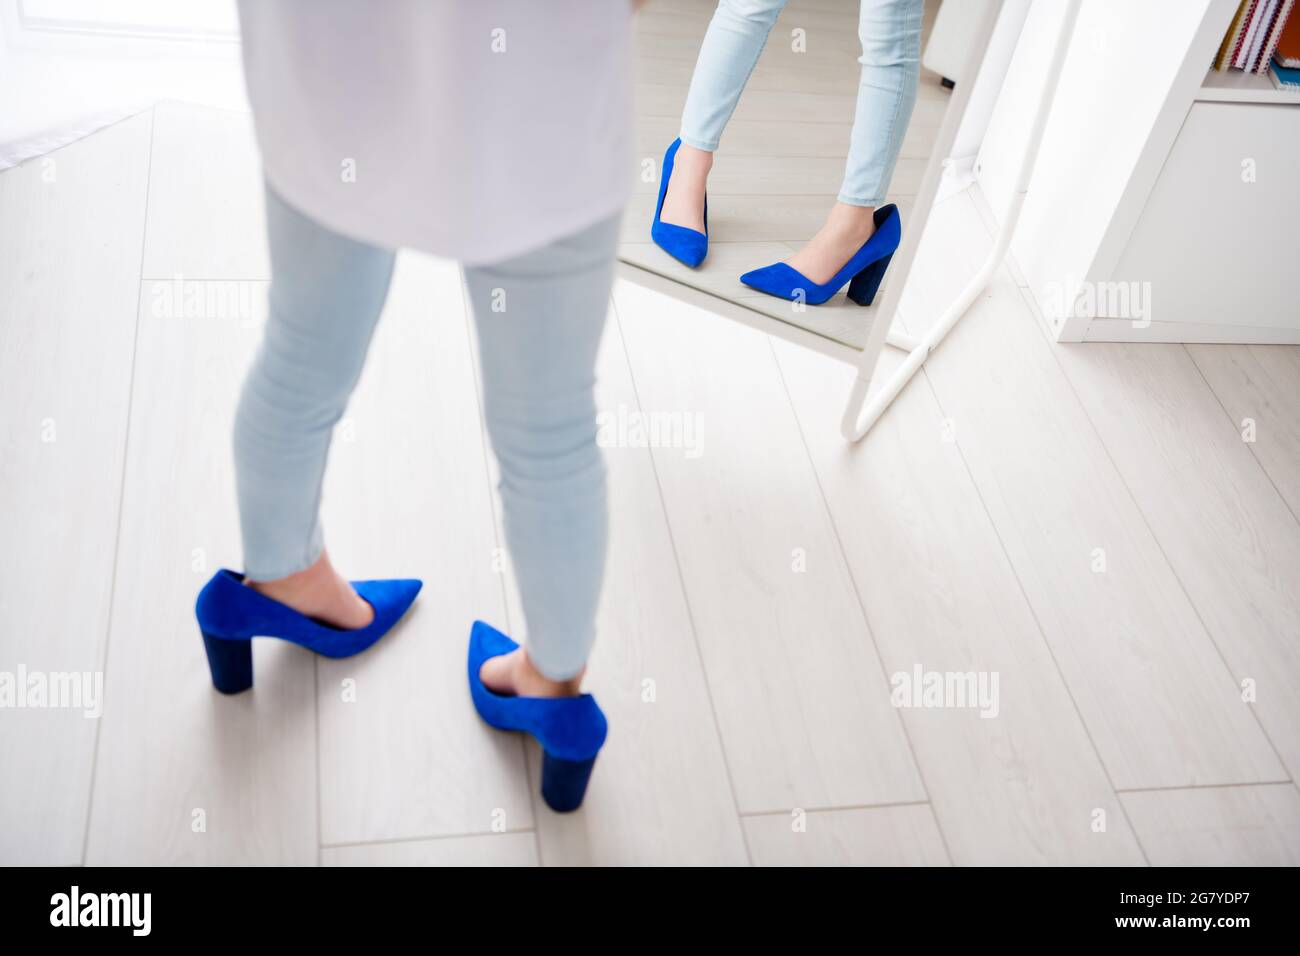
pixel 231 614
pixel 685 245
pixel 570 730
pixel 863 271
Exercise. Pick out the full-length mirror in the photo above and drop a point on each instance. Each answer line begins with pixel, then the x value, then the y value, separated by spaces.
pixel 783 146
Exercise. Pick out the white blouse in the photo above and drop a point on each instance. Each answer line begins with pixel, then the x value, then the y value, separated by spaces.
pixel 471 129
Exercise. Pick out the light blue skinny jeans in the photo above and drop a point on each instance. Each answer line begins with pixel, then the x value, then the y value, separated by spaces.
pixel 890 31
pixel 537 352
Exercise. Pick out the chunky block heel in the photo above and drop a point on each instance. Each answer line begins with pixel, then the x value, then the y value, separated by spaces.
pixel 570 730
pixel 865 268
pixel 862 289
pixel 564 782
pixel 231 663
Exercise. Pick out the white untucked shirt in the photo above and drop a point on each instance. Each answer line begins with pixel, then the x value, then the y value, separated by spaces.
pixel 471 129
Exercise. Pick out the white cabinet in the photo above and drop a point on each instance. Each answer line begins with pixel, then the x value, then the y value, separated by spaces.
pixel 1157 185
pixel 1216 241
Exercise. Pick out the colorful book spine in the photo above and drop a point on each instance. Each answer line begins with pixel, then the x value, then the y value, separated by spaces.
pixel 1228 49
pixel 1248 37
pixel 1274 34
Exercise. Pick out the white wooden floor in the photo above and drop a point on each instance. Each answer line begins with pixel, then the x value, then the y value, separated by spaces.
pixel 749 700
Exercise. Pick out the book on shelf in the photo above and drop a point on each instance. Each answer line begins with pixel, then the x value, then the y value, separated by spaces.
pixel 1242 59
pixel 1257 30
pixel 1281 17
pixel 1285 78
pixel 1287 52
pixel 1232 41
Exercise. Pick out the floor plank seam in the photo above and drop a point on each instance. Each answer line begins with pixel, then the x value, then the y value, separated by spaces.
pixel 1146 523
pixel 686 597
pixel 1087 730
pixel 1253 454
pixel 121 491
pixel 391 841
pixel 1210 786
pixel 1038 624
pixel 785 811
pixel 848 569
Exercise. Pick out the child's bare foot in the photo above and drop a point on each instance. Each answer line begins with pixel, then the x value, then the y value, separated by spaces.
pixel 515 674
pixel 320 593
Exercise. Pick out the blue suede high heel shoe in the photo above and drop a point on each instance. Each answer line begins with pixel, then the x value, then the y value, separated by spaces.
pixel 570 730
pixel 230 615
pixel 685 245
pixel 866 268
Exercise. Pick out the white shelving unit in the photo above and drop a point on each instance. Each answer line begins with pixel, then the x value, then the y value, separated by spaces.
pixel 1234 86
pixel 1157 176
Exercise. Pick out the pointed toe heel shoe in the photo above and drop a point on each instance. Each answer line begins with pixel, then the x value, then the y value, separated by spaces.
pixel 570 730
pixel 685 245
pixel 863 271
pixel 230 615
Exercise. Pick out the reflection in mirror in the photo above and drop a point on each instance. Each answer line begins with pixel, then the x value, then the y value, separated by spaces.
pixel 805 130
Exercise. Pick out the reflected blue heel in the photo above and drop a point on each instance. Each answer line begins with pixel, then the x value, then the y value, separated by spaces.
pixel 685 245
pixel 230 615
pixel 866 268
pixel 570 730
pixel 862 289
